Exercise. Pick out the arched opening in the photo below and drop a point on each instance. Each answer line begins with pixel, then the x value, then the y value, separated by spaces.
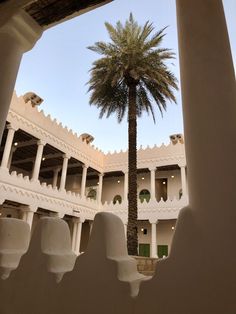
pixel 116 199
pixel 144 195
pixel 92 194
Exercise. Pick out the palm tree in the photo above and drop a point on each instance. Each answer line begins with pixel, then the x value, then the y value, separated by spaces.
pixel 131 76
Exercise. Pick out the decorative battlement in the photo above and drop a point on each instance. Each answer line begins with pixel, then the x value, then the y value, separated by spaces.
pixel 20 188
pixel 44 127
pixel 35 122
pixel 147 157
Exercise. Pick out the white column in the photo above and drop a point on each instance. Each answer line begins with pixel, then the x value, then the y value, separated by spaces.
pixel 206 66
pixel 13 149
pixel 64 171
pixel 100 188
pixel 153 182
pixel 8 144
pixel 90 226
pixel 76 234
pixel 153 238
pixel 28 214
pixel 83 181
pixel 126 178
pixel 55 176
pixel 125 229
pixel 38 160
pixel 183 180
pixel 18 34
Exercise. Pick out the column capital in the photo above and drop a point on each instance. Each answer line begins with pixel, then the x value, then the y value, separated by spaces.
pixel 101 174
pixel 11 126
pixel 153 220
pixel 85 166
pixel 41 142
pixel 29 208
pixel 182 164
pixel 22 27
pixel 78 219
pixel 66 156
pixel 152 168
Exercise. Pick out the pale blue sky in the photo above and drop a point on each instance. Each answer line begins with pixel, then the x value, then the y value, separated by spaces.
pixel 57 70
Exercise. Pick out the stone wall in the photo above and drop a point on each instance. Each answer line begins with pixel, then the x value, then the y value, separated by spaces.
pixel 146 265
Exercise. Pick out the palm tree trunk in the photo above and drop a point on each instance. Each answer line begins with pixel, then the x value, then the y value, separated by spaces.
pixel 132 230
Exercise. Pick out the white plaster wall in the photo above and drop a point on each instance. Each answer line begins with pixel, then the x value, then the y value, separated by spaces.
pixel 173 184
pixel 165 232
pixel 112 188
pixel 144 238
pixel 144 183
pixel 35 123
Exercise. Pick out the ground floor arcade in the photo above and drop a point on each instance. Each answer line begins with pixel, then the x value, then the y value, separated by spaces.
pixel 154 237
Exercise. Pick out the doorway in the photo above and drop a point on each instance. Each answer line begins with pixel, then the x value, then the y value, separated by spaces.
pixel 161 189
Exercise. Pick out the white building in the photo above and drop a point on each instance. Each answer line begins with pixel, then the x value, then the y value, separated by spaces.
pixel 46 169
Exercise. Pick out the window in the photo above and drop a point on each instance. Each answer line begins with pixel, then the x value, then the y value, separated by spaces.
pixel 92 194
pixel 144 195
pixel 118 199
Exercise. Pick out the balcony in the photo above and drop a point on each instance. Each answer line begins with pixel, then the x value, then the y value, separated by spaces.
pixel 18 188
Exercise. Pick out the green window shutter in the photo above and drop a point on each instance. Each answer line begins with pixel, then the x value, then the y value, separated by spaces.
pixel 144 249
pixel 162 250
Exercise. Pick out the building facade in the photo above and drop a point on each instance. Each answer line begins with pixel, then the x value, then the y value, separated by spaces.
pixel 47 170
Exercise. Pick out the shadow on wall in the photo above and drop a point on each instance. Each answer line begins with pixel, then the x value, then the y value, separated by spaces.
pixel 50 279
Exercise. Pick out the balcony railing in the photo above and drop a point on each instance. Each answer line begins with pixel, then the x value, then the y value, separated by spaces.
pixel 18 188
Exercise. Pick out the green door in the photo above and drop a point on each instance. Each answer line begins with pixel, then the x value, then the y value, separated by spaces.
pixel 144 249
pixel 162 250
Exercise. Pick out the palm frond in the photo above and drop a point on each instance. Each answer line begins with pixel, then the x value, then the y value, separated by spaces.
pixel 133 54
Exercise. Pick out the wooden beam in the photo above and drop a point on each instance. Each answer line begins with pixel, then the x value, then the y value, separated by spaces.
pixel 32 159
pixel 75 165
